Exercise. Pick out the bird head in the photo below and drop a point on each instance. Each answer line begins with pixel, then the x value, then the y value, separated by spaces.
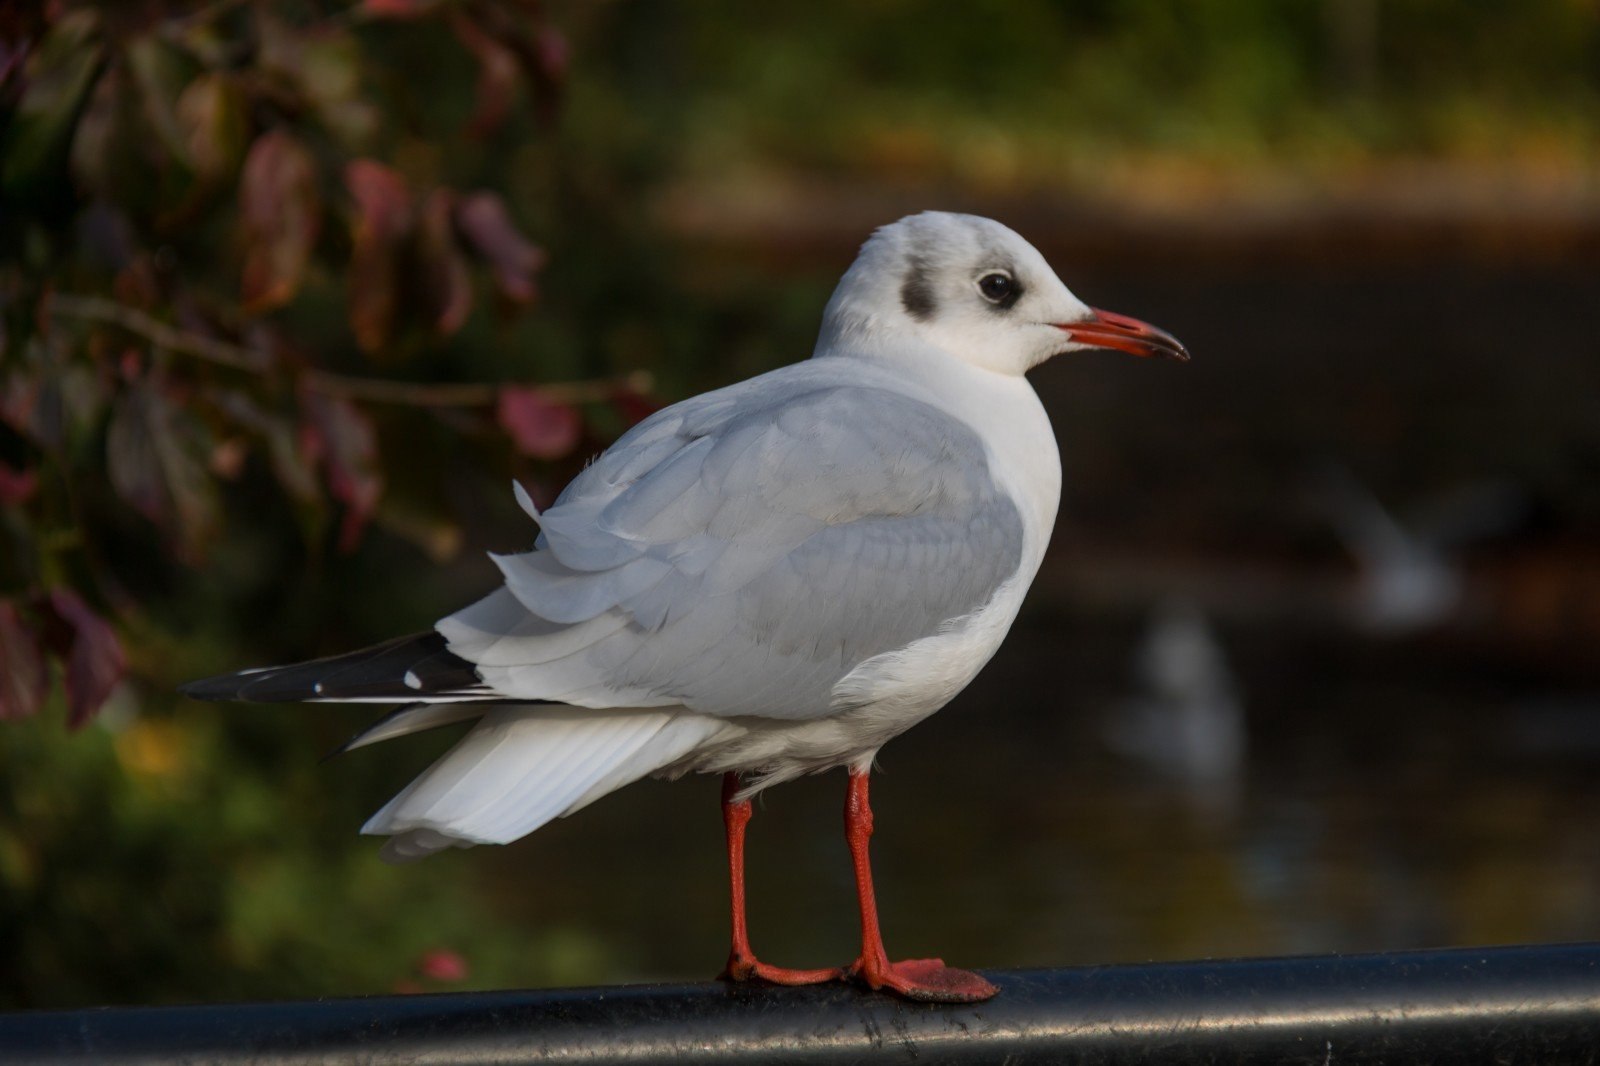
pixel 975 289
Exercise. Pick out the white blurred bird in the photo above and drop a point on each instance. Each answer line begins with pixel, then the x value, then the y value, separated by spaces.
pixel 768 580
pixel 1187 717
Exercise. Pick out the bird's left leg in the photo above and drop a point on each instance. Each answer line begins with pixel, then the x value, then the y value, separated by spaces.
pixel 924 979
pixel 742 962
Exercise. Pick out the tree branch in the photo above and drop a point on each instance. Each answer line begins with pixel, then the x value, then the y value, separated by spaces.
pixel 100 309
pixel 369 390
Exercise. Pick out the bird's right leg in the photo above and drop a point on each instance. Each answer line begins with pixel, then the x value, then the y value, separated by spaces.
pixel 742 962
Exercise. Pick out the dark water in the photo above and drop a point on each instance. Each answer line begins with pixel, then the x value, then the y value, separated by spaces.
pixel 1439 786
pixel 1386 802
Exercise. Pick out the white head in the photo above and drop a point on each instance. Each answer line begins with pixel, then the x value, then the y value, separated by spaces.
pixel 974 289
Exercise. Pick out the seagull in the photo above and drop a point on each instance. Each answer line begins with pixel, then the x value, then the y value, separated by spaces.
pixel 764 581
pixel 1187 717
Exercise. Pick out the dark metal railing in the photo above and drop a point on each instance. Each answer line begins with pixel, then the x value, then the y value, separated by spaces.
pixel 1512 1004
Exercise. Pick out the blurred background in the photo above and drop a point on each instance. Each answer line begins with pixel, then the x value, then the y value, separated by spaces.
pixel 291 292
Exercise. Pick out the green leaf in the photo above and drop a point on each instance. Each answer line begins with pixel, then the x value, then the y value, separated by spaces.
pixel 59 75
pixel 160 71
pixel 211 118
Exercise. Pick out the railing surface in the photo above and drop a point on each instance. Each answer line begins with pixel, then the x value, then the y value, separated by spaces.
pixel 1510 1004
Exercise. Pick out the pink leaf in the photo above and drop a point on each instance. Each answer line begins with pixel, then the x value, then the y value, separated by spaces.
pixel 343 438
pixel 94 658
pixel 282 212
pixel 23 674
pixel 538 426
pixel 515 261
pixel 442 964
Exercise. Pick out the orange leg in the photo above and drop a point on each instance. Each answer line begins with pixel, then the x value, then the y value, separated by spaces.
pixel 742 962
pixel 924 979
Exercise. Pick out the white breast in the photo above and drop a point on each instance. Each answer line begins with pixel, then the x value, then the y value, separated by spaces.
pixel 893 691
pixel 887 694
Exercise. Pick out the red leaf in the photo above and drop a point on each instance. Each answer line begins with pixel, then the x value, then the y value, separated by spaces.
pixel 23 674
pixel 633 406
pixel 94 658
pixel 17 486
pixel 446 288
pixel 383 215
pixel 484 221
pixel 282 213
pixel 553 56
pixel 343 439
pixel 538 426
pixel 497 77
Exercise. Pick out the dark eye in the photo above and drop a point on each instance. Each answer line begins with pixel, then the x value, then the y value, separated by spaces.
pixel 996 287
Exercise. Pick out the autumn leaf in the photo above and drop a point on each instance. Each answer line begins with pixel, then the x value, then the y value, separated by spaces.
pixel 24 676
pixel 383 216
pixel 397 9
pixel 154 455
pixel 444 284
pixel 211 119
pixel 632 405
pixel 489 231
pixel 91 653
pixel 443 964
pixel 538 426
pixel 17 486
pixel 542 52
pixel 342 439
pixel 282 213
pixel 497 76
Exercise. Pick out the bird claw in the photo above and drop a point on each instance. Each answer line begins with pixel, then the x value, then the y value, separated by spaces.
pixel 925 980
pixel 746 968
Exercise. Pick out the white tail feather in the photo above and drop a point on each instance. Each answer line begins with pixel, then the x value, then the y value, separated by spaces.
pixel 520 767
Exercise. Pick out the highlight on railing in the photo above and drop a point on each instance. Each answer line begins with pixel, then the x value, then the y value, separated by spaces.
pixel 1508 1004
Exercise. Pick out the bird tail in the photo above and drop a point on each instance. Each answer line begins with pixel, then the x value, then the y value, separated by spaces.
pixel 523 766
pixel 415 668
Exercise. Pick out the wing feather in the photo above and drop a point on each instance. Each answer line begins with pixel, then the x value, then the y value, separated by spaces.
pixel 741 553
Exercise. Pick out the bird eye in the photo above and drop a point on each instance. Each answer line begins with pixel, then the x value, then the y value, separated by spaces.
pixel 996 287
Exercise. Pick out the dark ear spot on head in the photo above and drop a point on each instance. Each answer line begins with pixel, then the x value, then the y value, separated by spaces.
pixel 916 291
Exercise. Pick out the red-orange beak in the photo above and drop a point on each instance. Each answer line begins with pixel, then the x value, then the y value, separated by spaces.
pixel 1107 329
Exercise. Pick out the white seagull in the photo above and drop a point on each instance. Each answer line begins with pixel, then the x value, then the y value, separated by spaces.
pixel 769 580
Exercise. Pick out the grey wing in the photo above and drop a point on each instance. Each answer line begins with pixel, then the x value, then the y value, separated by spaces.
pixel 741 556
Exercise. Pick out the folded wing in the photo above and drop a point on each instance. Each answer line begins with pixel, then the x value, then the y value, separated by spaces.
pixel 740 553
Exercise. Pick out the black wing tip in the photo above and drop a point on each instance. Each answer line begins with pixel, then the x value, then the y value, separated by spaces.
pixel 213 689
pixel 404 669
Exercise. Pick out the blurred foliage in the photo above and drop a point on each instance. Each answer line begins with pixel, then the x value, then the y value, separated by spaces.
pixel 999 96
pixel 252 266
pixel 277 327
